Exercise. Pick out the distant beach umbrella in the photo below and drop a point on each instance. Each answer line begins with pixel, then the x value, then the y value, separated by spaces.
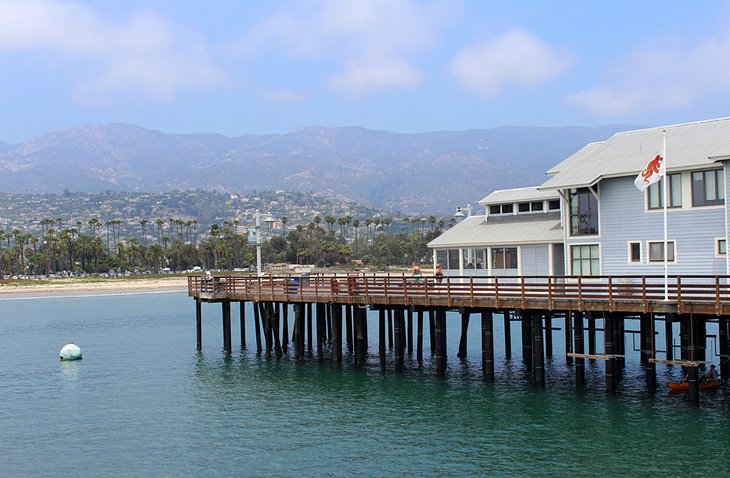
pixel 70 352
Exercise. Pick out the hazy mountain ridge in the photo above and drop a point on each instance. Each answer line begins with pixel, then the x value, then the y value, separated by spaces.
pixel 407 172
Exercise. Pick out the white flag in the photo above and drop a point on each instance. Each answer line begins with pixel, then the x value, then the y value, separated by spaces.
pixel 651 174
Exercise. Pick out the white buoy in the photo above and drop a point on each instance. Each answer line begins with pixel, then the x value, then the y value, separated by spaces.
pixel 71 352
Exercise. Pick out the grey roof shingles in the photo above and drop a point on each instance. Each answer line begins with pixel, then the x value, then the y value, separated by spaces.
pixel 475 231
pixel 689 146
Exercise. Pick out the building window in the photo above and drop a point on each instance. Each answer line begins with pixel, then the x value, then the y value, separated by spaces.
pixel 585 260
pixel 523 207
pixel 708 188
pixel 583 212
pixel 721 247
pixel 656 192
pixel 536 206
pixel 495 209
pixel 635 252
pixel 507 208
pixel 656 251
pixel 554 204
pixel 504 258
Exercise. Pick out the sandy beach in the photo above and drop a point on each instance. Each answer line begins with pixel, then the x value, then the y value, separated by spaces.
pixel 102 286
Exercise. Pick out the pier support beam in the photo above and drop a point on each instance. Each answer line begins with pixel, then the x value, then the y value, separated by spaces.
pixel 310 346
pixel 507 335
pixel 538 349
pixel 693 379
pixel 723 339
pixel 419 339
pixel 274 314
pixel 568 337
pixel 321 329
pixel 299 331
pixel 199 325
pixel 488 345
pixel 432 331
pixel 348 328
pixel 527 339
pixel 609 337
pixel 465 313
pixel 398 336
pixel 266 317
pixel 226 306
pixel 591 333
pixel 668 337
pixel 390 328
pixel 409 331
pixel 284 326
pixel 440 340
pixel 257 325
pixel 580 362
pixel 549 334
pixel 381 337
pixel 242 320
pixel 336 332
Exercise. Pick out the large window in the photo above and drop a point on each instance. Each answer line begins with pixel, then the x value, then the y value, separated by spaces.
pixel 504 258
pixel 634 252
pixel 585 260
pixel 583 212
pixel 656 192
pixel 708 188
pixel 656 251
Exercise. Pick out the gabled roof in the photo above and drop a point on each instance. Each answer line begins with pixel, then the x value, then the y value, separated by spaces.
pixel 689 146
pixel 518 194
pixel 475 232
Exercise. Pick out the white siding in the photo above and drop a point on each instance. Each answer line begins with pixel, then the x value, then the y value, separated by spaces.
pixel 535 260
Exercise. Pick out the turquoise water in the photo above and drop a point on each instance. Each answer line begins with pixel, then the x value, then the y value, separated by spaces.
pixel 143 402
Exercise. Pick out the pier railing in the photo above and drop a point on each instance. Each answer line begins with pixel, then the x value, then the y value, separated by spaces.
pixel 630 293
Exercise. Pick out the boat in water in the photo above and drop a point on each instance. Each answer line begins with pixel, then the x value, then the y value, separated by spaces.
pixel 684 386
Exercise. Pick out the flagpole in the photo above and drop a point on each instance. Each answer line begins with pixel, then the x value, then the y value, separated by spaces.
pixel 666 202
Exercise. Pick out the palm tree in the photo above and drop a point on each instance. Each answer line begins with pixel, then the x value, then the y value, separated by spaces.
pixel 144 223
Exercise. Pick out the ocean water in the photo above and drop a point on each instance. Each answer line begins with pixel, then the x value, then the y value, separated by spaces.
pixel 143 402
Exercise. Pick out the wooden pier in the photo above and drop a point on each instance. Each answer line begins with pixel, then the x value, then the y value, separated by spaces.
pixel 318 302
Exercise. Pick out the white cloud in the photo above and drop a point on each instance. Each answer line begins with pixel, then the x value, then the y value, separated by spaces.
pixel 661 79
pixel 514 57
pixel 144 54
pixel 370 40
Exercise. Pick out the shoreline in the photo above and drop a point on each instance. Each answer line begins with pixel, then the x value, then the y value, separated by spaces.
pixel 68 287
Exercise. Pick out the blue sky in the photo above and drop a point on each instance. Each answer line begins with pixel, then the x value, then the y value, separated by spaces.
pixel 237 67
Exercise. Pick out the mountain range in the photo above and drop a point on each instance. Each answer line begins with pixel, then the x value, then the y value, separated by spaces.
pixel 420 172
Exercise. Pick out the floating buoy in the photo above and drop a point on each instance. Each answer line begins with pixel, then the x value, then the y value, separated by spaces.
pixel 71 352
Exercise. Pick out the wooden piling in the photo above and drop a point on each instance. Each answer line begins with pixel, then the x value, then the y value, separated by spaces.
pixel 538 349
pixel 549 334
pixel 310 346
pixel 651 355
pixel 299 331
pixel 591 333
pixel 432 331
pixel 693 379
pixel 507 335
pixel 723 339
pixel 199 324
pixel 284 326
pixel 242 320
pixel 465 313
pixel 643 339
pixel 487 345
pixel 336 339
pixel 274 308
pixel 266 317
pixel 321 329
pixel 668 337
pixel 348 328
pixel 381 336
pixel 527 339
pixel 409 331
pixel 419 339
pixel 398 339
pixel 440 340
pixel 579 349
pixel 257 325
pixel 568 337
pixel 390 328
pixel 609 337
pixel 226 306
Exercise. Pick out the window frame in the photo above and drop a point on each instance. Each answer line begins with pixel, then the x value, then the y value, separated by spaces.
pixel 661 261
pixel 657 190
pixel 573 247
pixel 494 251
pixel 630 255
pixel 719 180
pixel 718 249
pixel 575 213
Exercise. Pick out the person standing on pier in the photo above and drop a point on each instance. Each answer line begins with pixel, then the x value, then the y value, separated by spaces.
pixel 416 273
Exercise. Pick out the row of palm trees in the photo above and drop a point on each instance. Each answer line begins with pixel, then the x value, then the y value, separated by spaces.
pixel 102 246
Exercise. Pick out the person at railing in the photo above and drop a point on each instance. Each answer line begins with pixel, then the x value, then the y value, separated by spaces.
pixel 416 273
pixel 438 274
